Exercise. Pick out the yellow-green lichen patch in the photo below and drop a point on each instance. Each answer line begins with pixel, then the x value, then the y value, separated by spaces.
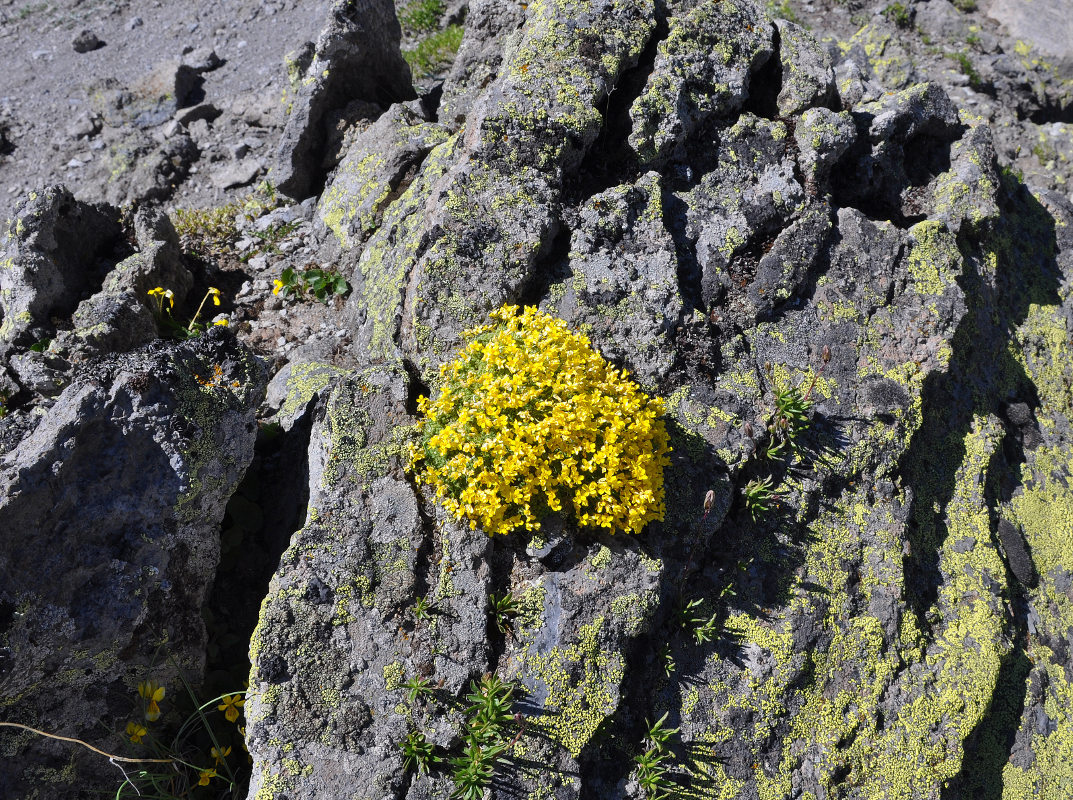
pixel 304 382
pixel 394 674
pixel 349 421
pixel 934 258
pixel 889 60
pixel 578 684
pixel 392 251
pixel 1043 509
pixel 633 610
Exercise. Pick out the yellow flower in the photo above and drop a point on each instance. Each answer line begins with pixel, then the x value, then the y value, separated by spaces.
pixel 220 755
pixel 529 411
pixel 154 693
pixel 222 322
pixel 215 295
pixel 163 294
pixel 204 776
pixel 231 705
pixel 136 731
pixel 276 286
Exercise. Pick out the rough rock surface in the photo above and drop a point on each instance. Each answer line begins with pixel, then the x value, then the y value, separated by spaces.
pixel 852 237
pixel 355 60
pixel 861 202
pixel 111 510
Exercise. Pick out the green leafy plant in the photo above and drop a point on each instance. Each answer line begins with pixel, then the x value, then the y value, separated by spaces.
pixel 666 657
pixel 474 769
pixel 320 283
pixel 489 710
pixel 789 420
pixel 504 609
pixel 423 609
pixel 759 496
pixel 416 687
pixel 651 765
pixel 898 14
pixel 418 752
pixel 692 618
pixel 488 716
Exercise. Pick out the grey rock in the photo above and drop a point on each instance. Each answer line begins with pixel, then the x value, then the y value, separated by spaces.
pixel 621 279
pixel 487 24
pixel 156 174
pixel 238 174
pixel 51 250
pixel 727 229
pixel 83 126
pixel 161 93
pixel 111 556
pixel 372 169
pixel 356 57
pixel 202 59
pixel 1046 24
pixel 41 373
pixel 1017 553
pixel 822 137
pixel 905 141
pixel 86 41
pixel 702 70
pixel 204 111
pixel 359 582
pixel 808 79
pixel 120 316
pixel 500 183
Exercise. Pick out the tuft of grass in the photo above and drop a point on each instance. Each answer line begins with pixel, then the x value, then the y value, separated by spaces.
pixel 434 53
pixel 782 9
pixel 965 6
pixel 968 70
pixel 209 232
pixel 422 16
pixel 898 14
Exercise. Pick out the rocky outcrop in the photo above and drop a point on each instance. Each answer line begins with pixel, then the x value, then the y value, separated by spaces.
pixel 775 221
pixel 869 595
pixel 112 504
pixel 356 60
pixel 51 254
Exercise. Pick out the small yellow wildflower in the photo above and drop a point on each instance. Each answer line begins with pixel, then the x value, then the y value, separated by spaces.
pixel 220 755
pixel 215 295
pixel 205 776
pixel 162 294
pixel 154 693
pixel 231 705
pixel 276 286
pixel 222 322
pixel 136 731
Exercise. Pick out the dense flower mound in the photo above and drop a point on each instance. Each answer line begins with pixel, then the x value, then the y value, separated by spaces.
pixel 529 420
